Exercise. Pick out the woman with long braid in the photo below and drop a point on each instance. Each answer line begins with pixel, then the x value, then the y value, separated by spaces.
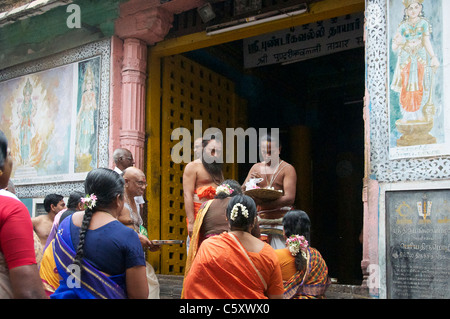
pixel 96 255
pixel 304 271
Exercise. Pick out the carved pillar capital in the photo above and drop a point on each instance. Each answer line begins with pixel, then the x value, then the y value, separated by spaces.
pixel 149 25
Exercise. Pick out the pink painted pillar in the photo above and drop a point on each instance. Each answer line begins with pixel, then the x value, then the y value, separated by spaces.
pixel 141 23
pixel 115 99
pixel 370 262
pixel 132 133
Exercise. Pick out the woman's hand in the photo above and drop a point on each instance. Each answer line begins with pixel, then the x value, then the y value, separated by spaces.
pixel 147 243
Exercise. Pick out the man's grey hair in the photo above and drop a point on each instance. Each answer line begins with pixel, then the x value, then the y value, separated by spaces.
pixel 118 153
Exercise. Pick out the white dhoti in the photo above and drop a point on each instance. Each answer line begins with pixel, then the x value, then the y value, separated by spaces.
pixel 153 283
pixel 271 226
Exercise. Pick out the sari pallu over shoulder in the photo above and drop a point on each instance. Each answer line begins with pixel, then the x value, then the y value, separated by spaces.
pixel 311 283
pixel 93 284
pixel 222 270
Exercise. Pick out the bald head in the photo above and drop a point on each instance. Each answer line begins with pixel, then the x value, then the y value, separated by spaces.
pixel 135 182
pixel 132 171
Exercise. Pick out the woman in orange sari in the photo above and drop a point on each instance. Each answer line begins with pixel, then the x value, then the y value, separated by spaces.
pixel 304 271
pixel 211 218
pixel 235 265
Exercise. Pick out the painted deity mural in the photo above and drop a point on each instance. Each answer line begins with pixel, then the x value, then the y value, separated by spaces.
pixel 87 116
pixel 417 99
pixel 50 119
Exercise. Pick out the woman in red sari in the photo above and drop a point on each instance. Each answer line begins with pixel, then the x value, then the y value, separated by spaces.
pixel 235 265
pixel 19 274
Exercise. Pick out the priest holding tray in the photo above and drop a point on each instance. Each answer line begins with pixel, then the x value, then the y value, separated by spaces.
pixel 272 184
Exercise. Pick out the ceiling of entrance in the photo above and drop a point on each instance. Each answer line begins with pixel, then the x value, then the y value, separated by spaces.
pixel 344 69
pixel 297 92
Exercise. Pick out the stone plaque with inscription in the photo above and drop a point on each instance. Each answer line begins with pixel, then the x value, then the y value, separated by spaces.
pixel 417 245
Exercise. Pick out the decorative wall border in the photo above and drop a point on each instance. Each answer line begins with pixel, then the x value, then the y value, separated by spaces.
pixel 382 168
pixel 101 48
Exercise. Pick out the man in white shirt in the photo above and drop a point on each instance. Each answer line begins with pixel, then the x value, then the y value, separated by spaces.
pixel 124 159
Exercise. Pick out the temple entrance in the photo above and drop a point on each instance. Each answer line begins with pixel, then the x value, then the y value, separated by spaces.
pixel 321 134
pixel 317 105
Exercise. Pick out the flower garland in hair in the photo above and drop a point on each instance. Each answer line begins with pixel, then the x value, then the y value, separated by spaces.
pixel 224 188
pixel 296 243
pixel 89 201
pixel 235 211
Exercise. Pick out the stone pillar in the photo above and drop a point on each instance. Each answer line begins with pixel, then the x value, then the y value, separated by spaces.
pixel 369 264
pixel 132 134
pixel 140 24
pixel 115 98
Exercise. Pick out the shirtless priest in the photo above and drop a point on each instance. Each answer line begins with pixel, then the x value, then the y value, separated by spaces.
pixel 277 174
pixel 201 178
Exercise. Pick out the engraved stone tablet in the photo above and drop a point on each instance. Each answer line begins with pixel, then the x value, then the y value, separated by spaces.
pixel 417 245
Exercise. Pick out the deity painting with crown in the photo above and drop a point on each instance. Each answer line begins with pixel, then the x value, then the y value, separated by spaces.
pixel 27 112
pixel 86 128
pixel 34 119
pixel 416 73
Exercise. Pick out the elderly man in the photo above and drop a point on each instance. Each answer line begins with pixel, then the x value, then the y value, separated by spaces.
pixel 200 179
pixel 279 175
pixel 135 184
pixel 122 159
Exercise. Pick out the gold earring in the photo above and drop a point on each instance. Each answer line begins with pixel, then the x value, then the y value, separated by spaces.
pixel 1 172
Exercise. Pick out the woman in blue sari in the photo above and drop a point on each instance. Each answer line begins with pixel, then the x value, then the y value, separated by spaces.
pixel 96 255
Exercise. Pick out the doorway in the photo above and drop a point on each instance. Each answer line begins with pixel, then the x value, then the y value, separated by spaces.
pixel 318 106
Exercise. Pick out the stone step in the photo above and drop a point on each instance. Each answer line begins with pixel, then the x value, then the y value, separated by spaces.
pixel 171 287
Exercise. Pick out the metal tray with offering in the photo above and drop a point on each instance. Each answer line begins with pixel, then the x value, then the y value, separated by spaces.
pixel 167 242
pixel 264 193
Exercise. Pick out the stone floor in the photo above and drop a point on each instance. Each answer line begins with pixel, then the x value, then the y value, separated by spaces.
pixel 171 286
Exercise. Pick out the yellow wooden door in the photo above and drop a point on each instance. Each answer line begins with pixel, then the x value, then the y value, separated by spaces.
pixel 189 92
